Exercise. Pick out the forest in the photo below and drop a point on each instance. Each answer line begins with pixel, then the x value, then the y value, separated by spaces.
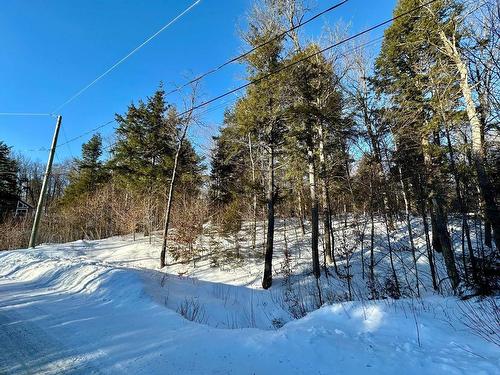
pixel 355 147
pixel 338 212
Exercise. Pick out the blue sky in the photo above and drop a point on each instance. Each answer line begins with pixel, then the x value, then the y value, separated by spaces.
pixel 50 49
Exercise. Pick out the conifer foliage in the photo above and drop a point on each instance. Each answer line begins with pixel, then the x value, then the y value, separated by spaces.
pixel 344 137
pixel 352 144
pixel 8 181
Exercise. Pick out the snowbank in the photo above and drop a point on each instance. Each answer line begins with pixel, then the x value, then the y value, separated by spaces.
pixel 101 307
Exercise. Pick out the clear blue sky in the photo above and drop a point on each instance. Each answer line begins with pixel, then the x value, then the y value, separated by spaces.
pixel 52 48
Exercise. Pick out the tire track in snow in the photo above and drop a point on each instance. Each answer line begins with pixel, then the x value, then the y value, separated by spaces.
pixel 27 349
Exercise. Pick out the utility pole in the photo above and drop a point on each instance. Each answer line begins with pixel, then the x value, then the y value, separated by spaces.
pixel 39 206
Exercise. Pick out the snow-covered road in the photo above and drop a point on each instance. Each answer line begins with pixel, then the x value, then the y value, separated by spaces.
pixel 26 348
pixel 76 309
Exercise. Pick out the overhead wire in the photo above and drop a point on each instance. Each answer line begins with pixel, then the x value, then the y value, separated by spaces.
pixel 263 44
pixel 68 146
pixel 88 86
pixel 91 131
pixel 27 114
pixel 123 59
pixel 88 132
pixel 198 78
pixel 213 70
pixel 294 63
pixel 344 53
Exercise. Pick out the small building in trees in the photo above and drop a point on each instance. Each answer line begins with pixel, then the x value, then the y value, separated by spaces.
pixel 23 209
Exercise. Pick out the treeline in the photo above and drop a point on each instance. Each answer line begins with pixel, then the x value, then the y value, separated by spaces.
pixel 320 136
pixel 410 133
pixel 20 183
pixel 109 191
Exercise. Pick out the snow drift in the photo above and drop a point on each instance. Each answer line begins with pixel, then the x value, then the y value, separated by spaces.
pixel 101 307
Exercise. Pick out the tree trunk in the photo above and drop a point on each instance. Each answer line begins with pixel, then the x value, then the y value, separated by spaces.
pixel 362 240
pixel 267 280
pixel 391 257
pixel 440 227
pixel 314 211
pixel 324 198
pixel 163 255
pixel 463 211
pixel 372 255
pixel 423 213
pixel 487 234
pixel 408 227
pixel 372 244
pixel 301 211
pixel 254 202
pixel 436 243
pixel 487 189
pixel 332 236
pixel 444 239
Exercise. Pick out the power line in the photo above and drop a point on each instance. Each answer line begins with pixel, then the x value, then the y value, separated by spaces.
pixel 287 66
pixel 355 48
pixel 255 81
pixel 77 137
pixel 119 62
pixel 27 114
pixel 241 56
pixel 294 63
pixel 344 53
pixel 66 143
pixel 200 77
pixel 87 133
pixel 363 45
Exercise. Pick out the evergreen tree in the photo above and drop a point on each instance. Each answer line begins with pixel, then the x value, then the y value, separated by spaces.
pixel 143 154
pixel 314 120
pixel 143 157
pixel 403 70
pixel 8 181
pixel 263 109
pixel 228 165
pixel 89 173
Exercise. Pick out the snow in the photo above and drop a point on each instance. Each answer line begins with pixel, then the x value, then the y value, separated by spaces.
pixel 103 307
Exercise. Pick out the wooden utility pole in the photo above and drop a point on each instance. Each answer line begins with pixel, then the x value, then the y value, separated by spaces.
pixel 39 206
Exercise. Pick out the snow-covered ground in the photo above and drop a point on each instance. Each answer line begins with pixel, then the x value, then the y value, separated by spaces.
pixel 104 307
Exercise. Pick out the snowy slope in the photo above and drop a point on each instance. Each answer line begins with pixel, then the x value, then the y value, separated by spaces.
pixel 102 307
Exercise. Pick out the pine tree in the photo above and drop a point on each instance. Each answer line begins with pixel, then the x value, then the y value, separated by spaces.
pixel 228 165
pixel 314 116
pixel 263 108
pixel 143 154
pixel 8 181
pixel 89 173
pixel 403 69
